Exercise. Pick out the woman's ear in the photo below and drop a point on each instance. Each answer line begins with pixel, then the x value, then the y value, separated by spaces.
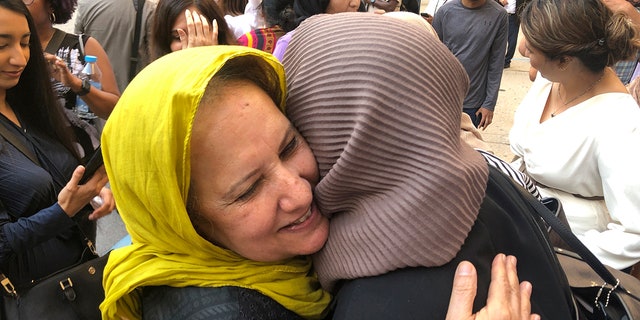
pixel 564 62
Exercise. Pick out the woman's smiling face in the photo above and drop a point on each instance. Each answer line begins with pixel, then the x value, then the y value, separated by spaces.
pixel 252 178
pixel 14 47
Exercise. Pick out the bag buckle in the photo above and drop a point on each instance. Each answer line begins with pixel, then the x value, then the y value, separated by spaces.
pixel 7 285
pixel 66 283
pixel 67 289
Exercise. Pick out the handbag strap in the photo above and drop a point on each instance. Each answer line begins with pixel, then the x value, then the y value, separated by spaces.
pixel 578 247
pixel 13 140
pixel 133 63
pixel 55 42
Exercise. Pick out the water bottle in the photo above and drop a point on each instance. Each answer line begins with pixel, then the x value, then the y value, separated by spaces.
pixel 93 74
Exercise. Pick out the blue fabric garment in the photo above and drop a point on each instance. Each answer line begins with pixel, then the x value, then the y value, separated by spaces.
pixel 512 39
pixel 37 238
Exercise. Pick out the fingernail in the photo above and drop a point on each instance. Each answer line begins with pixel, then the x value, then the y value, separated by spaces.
pixel 513 260
pixel 465 269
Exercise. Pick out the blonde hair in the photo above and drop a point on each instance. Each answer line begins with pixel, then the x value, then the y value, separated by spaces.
pixel 584 29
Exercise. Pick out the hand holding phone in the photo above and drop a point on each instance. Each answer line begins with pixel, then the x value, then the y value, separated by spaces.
pixel 94 163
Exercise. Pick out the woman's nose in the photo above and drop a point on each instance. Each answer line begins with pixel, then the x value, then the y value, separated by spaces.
pixel 295 192
pixel 17 56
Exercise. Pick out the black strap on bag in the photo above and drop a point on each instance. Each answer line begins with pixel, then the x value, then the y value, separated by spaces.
pixel 133 63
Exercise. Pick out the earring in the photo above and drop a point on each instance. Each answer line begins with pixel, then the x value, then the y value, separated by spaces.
pixel 52 17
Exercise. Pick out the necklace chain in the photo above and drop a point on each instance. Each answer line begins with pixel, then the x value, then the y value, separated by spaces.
pixel 553 114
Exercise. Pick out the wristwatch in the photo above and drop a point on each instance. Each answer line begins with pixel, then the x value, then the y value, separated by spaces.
pixel 86 86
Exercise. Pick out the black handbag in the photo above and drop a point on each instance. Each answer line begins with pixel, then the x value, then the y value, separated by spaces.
pixel 600 292
pixel 589 290
pixel 73 293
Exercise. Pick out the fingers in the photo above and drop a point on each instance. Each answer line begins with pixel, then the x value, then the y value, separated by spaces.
pixel 514 285
pixel 75 177
pixel 191 29
pixel 504 290
pixel 104 209
pixel 525 300
pixel 103 204
pixel 463 292
pixel 199 32
pixel 214 32
pixel 486 117
pixel 205 33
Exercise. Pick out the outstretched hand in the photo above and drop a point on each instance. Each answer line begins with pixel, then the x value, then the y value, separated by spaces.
pixel 507 300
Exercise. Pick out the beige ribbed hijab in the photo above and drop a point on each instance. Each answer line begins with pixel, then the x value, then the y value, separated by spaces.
pixel 379 101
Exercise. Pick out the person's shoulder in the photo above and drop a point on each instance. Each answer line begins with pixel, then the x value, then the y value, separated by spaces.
pixel 496 8
pixel 228 302
pixel 451 4
pixel 165 302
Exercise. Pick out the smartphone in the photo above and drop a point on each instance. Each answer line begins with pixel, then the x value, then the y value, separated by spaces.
pixel 94 163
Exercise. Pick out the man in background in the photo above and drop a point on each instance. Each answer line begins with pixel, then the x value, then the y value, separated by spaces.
pixel 513 8
pixel 475 31
pixel 112 23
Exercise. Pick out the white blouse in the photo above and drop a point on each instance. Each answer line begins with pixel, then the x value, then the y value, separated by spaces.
pixel 592 150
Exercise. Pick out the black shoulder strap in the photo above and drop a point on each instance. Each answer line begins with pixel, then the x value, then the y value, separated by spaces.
pixel 55 42
pixel 133 63
pixel 11 138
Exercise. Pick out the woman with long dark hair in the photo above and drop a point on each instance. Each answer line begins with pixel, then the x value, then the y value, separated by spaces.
pixel 44 212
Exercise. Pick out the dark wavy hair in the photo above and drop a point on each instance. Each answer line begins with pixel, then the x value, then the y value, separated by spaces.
pixel 280 13
pixel 63 9
pixel 167 11
pixel 32 99
pixel 307 8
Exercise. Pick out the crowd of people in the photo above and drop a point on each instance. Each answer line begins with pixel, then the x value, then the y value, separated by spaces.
pixel 264 154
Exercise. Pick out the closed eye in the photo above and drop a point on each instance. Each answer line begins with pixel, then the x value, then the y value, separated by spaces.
pixel 247 194
pixel 290 148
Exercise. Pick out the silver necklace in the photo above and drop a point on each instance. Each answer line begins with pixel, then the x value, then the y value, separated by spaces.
pixel 553 114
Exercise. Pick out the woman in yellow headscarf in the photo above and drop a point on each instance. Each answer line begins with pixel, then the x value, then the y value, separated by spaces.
pixel 215 187
pixel 255 201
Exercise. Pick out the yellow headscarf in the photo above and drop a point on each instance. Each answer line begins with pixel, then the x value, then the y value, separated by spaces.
pixel 146 146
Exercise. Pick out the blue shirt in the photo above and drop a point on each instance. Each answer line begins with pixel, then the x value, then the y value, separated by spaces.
pixel 37 237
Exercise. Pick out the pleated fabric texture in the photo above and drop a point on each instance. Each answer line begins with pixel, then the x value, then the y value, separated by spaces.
pixel 379 100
